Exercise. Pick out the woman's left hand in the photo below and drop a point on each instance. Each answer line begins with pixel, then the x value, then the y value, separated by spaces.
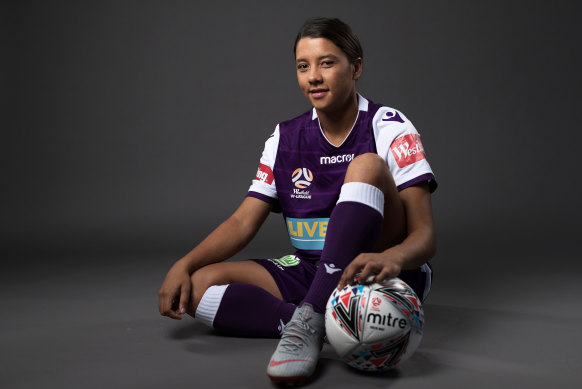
pixel 372 267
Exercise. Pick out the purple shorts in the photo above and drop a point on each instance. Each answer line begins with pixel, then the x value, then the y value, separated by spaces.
pixel 420 280
pixel 294 275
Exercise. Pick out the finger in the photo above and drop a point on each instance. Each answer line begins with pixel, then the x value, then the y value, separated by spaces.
pixel 348 275
pixel 384 274
pixel 175 304
pixel 342 283
pixel 368 274
pixel 343 279
pixel 172 311
pixel 160 301
pixel 173 315
pixel 162 298
pixel 165 305
pixel 184 298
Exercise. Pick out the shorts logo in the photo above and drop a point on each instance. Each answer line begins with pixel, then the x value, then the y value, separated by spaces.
pixel 287 260
pixel 302 178
pixel 407 150
pixel 264 174
pixel 392 116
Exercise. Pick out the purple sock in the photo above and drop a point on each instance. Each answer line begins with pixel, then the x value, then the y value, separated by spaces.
pixel 354 227
pixel 247 310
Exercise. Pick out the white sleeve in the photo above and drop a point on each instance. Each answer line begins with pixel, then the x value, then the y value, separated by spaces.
pixel 398 142
pixel 264 181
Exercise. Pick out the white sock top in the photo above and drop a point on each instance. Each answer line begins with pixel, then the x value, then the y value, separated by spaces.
pixel 363 193
pixel 209 304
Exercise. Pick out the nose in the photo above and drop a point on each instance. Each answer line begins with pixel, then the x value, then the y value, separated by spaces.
pixel 315 76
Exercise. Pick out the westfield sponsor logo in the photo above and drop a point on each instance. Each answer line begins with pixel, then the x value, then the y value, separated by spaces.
pixel 407 150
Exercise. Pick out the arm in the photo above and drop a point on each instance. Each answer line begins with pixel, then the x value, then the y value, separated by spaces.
pixel 222 243
pixel 416 249
pixel 230 237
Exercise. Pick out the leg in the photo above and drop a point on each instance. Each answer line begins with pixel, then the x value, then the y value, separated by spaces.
pixel 223 273
pixel 354 227
pixel 239 298
pixel 371 169
pixel 369 211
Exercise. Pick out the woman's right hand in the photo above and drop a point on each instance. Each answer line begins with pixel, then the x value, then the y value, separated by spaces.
pixel 222 243
pixel 174 294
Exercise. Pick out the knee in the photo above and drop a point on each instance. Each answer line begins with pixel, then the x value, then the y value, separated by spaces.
pixel 371 169
pixel 202 279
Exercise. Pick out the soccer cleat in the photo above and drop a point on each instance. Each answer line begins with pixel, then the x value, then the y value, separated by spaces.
pixel 298 350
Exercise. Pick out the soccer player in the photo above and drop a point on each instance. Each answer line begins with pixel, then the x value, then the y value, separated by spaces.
pixel 353 184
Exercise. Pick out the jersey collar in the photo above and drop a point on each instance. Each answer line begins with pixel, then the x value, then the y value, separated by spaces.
pixel 362 106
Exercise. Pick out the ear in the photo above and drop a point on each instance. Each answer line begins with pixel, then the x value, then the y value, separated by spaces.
pixel 357 67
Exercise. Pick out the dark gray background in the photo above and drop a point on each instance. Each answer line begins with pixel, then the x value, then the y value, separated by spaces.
pixel 138 125
pixel 131 129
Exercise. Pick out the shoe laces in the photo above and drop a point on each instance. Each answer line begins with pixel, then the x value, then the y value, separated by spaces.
pixel 296 334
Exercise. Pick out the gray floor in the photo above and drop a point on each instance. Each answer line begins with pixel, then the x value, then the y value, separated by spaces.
pixel 110 114
pixel 93 323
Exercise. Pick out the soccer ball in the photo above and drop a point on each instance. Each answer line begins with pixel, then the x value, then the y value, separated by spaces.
pixel 374 327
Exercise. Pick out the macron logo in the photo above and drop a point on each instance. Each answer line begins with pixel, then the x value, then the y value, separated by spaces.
pixel 392 116
pixel 330 269
pixel 336 159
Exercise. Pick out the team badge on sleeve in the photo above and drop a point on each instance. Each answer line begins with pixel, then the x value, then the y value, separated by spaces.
pixel 407 150
pixel 265 174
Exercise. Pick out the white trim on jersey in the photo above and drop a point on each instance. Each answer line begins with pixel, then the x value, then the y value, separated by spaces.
pixel 386 132
pixel 347 136
pixel 363 104
pixel 268 159
pixel 391 130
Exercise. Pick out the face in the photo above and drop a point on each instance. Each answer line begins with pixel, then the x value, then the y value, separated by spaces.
pixel 325 75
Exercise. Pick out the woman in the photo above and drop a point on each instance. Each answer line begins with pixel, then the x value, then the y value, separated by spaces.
pixel 353 184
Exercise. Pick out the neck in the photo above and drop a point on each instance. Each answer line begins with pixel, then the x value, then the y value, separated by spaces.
pixel 336 125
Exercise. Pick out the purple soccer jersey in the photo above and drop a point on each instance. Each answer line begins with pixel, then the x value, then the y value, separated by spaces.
pixel 301 172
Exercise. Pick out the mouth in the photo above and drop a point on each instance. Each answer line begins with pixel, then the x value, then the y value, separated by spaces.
pixel 318 93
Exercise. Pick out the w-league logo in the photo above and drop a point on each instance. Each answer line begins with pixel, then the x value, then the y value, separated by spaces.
pixel 302 178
